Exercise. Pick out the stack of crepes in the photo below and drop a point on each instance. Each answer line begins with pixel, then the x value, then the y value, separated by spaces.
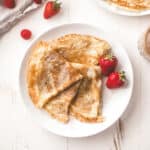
pixel 133 4
pixel 64 78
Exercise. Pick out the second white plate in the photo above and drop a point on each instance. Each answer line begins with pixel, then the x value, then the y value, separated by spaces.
pixel 114 101
pixel 121 11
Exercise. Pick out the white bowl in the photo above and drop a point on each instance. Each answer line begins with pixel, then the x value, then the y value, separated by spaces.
pixel 115 102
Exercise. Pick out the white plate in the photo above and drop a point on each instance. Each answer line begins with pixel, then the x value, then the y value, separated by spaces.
pixel 114 101
pixel 121 11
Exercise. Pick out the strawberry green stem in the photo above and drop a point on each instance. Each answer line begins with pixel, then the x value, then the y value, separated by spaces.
pixel 122 75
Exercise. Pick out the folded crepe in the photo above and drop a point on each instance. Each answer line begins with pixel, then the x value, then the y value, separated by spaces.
pixel 82 49
pixel 132 4
pixel 87 106
pixel 48 73
pixel 58 107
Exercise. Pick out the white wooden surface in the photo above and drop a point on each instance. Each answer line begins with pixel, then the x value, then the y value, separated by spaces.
pixel 19 132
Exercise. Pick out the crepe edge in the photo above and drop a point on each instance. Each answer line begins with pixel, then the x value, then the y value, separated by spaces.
pixel 65 118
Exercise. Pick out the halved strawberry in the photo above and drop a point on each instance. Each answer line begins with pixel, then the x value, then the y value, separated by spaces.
pixel 51 8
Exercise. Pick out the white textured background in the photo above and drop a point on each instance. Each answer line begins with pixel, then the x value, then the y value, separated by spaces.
pixel 19 132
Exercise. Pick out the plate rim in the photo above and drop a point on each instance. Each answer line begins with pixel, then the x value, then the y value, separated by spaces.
pixel 120 11
pixel 28 51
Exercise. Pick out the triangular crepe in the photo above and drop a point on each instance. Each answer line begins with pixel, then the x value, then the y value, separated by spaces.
pixel 82 49
pixel 48 74
pixel 87 105
pixel 58 107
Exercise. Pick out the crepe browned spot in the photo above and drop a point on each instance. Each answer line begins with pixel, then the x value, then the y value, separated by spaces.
pixel 132 4
pixel 58 107
pixel 83 49
pixel 48 73
pixel 87 106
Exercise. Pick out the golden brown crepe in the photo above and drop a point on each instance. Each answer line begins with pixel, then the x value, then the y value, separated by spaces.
pixel 63 77
pixel 82 49
pixel 133 4
pixel 87 106
pixel 48 74
pixel 58 107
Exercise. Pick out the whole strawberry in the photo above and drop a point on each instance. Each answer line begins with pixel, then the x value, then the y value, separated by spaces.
pixel 9 3
pixel 38 1
pixel 51 8
pixel 108 64
pixel 116 80
pixel 26 34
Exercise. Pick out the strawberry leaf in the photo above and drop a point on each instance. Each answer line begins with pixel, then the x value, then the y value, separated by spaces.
pixel 122 76
pixel 109 56
pixel 57 5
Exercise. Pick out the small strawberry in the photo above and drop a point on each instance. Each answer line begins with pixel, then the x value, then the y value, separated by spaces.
pixel 51 8
pixel 38 1
pixel 26 34
pixel 9 3
pixel 116 80
pixel 108 64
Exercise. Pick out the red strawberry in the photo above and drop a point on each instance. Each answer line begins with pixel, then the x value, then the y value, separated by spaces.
pixel 38 1
pixel 9 3
pixel 116 80
pixel 108 64
pixel 51 8
pixel 26 34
